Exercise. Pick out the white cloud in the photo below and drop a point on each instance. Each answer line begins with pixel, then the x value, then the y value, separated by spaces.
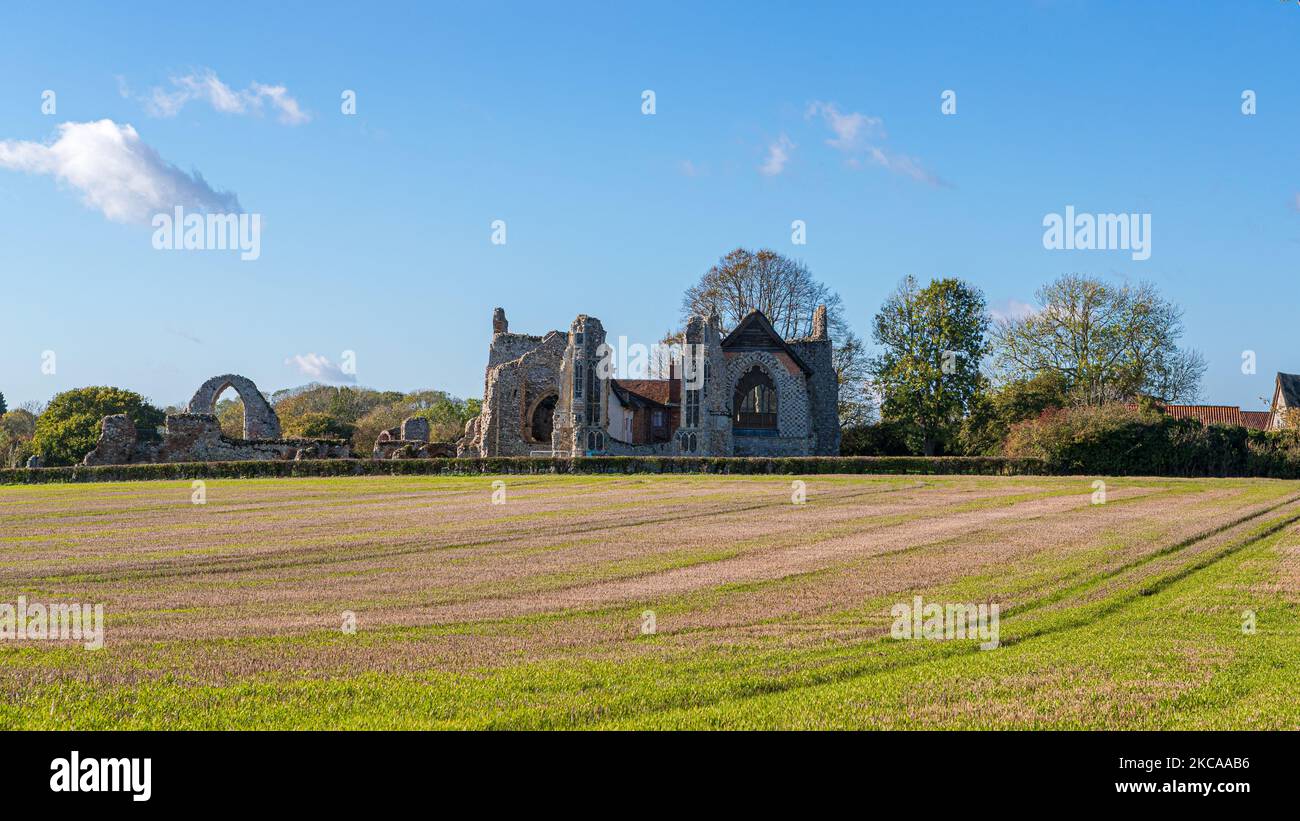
pixel 290 112
pixel 851 130
pixel 205 86
pixel 859 136
pixel 115 171
pixel 778 154
pixel 319 368
pixel 1011 309
pixel 907 166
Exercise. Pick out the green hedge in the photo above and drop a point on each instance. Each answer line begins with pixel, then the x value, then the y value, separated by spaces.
pixel 1122 441
pixel 984 466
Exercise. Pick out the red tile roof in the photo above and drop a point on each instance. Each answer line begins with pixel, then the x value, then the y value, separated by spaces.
pixel 658 391
pixel 1207 414
pixel 1221 415
pixel 1259 420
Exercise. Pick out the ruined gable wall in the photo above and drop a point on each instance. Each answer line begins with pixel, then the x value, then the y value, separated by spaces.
pixel 823 394
pixel 794 433
pixel 514 387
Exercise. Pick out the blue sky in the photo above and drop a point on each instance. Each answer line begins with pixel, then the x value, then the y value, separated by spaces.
pixel 376 227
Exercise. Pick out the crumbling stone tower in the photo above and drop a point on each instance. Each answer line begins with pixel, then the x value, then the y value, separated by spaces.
pixel 706 401
pixel 580 413
pixel 823 385
pixel 519 392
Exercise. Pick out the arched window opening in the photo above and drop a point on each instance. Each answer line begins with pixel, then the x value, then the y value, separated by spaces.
pixel 543 420
pixel 755 401
pixel 593 397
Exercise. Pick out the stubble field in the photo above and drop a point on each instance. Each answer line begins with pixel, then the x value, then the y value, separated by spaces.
pixel 766 613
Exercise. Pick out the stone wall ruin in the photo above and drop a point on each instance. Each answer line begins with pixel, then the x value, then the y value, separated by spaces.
pixel 196 436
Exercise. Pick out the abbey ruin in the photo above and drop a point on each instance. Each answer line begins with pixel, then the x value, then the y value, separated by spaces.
pixel 195 436
pixel 748 393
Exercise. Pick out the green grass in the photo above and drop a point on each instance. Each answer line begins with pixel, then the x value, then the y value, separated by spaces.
pixel 1096 638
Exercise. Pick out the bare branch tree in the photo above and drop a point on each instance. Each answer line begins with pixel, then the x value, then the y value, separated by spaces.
pixel 1110 343
pixel 785 291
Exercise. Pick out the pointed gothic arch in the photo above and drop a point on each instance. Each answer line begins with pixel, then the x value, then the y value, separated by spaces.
pixel 260 421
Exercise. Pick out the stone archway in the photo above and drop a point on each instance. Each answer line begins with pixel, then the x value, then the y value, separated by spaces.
pixel 260 421
pixel 791 389
pixel 754 401
pixel 542 419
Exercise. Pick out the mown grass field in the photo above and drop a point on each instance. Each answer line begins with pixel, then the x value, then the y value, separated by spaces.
pixel 768 614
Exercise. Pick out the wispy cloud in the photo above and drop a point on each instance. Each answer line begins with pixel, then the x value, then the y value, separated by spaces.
pixel 206 87
pixel 115 171
pixel 690 169
pixel 860 138
pixel 905 165
pixel 778 154
pixel 851 130
pixel 319 368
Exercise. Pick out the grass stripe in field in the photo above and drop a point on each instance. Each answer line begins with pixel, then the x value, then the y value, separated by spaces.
pixel 1120 615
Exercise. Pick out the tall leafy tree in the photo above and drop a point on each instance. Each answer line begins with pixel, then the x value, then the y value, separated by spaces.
pixel 989 421
pixel 70 425
pixel 932 341
pixel 1108 342
pixel 16 430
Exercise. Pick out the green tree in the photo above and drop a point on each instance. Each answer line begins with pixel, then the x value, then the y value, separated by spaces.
pixel 70 425
pixel 16 430
pixel 1110 343
pixel 345 405
pixel 928 372
pixel 995 411
pixel 317 425
pixel 3 407
pixel 446 414
pixel 230 415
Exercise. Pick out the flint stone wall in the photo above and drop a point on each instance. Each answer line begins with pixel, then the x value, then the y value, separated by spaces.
pixel 823 394
pixel 415 429
pixel 405 449
pixel 514 388
pixel 117 442
pixel 197 437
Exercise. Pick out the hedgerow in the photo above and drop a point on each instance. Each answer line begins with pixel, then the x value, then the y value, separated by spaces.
pixel 988 466
pixel 1115 440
